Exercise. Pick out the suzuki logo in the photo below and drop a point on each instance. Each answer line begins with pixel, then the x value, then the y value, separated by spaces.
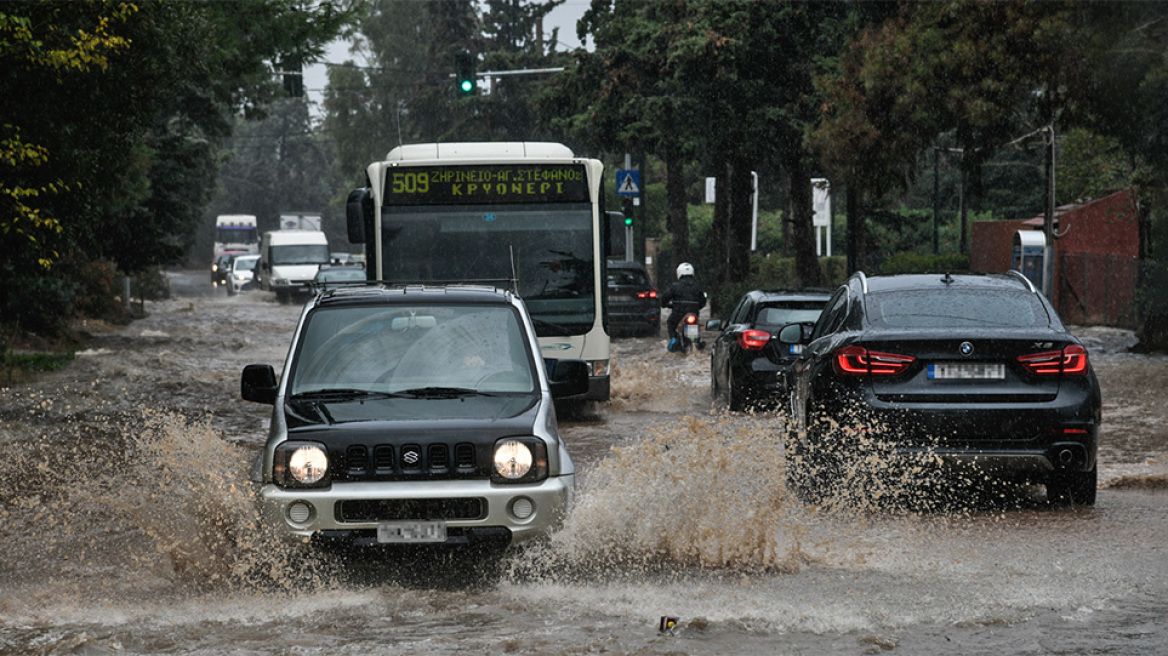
pixel 411 457
pixel 966 349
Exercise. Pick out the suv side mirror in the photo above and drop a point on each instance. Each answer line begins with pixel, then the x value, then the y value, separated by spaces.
pixel 795 336
pixel 569 378
pixel 714 325
pixel 259 384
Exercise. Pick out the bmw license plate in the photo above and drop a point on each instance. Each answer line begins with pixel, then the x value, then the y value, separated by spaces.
pixel 691 330
pixel 967 371
pixel 421 531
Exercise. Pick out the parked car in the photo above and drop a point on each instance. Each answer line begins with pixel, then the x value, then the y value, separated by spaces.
pixel 749 368
pixel 331 277
pixel 414 416
pixel 972 377
pixel 241 273
pixel 633 307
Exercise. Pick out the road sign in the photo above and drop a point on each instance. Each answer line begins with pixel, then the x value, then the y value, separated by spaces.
pixel 628 182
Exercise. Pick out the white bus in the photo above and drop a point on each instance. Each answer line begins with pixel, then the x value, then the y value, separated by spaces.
pixel 531 212
pixel 236 233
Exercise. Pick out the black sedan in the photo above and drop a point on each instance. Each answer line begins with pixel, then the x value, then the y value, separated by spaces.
pixel 632 299
pixel 748 366
pixel 967 377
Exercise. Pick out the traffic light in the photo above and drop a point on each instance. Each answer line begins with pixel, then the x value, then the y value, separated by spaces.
pixel 464 74
pixel 629 221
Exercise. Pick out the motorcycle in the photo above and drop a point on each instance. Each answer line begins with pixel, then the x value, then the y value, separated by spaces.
pixel 690 335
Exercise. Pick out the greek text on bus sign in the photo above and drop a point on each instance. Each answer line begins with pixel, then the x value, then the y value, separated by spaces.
pixel 495 183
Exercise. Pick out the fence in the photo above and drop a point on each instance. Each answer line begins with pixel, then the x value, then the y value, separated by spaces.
pixel 1099 289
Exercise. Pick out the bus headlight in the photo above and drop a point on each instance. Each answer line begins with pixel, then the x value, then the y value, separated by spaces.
pixel 300 464
pixel 520 460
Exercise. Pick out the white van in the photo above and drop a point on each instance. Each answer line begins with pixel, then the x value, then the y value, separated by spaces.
pixel 289 260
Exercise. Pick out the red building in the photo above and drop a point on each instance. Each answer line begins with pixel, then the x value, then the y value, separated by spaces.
pixel 1096 257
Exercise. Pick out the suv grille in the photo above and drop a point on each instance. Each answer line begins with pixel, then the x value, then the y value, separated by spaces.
pixel 410 509
pixel 388 462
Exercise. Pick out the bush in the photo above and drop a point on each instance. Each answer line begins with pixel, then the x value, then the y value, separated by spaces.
pixel 908 262
pixel 774 273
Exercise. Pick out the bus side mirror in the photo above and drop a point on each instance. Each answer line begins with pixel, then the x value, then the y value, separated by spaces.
pixel 615 229
pixel 358 213
pixel 569 377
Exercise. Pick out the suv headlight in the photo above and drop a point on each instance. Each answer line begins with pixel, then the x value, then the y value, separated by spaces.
pixel 300 464
pixel 520 460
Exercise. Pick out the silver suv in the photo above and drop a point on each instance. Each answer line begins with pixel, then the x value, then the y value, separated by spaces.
pixel 414 416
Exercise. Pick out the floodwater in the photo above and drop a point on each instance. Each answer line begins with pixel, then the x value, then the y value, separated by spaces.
pixel 130 528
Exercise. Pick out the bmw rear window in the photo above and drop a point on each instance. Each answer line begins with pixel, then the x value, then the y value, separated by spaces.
pixel 950 307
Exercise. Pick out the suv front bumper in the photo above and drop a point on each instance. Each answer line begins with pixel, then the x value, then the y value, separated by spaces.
pixel 526 511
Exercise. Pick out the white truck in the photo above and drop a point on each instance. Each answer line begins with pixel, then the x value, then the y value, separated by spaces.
pixel 289 259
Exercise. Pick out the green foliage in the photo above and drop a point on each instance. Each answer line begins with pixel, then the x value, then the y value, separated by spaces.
pixel 110 118
pixel 908 262
pixel 774 272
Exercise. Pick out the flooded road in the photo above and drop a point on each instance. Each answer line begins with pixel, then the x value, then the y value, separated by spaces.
pixel 130 529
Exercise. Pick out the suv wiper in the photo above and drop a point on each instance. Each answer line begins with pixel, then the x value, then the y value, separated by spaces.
pixel 442 392
pixel 340 394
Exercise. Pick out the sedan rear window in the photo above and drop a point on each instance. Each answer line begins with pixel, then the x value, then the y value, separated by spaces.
pixel 934 308
pixel 781 314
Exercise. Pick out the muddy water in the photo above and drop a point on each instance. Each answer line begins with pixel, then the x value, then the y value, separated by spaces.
pixel 129 526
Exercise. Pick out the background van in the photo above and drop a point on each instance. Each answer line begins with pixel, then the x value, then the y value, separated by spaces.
pixel 289 260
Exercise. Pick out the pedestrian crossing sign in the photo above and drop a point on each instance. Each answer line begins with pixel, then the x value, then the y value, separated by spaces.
pixel 628 182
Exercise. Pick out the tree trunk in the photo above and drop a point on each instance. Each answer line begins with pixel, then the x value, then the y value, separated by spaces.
pixel 738 254
pixel 802 228
pixel 857 231
pixel 678 207
pixel 720 230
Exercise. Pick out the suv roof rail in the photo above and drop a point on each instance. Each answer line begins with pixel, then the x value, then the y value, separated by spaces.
pixel 1018 274
pixel 863 280
pixel 510 285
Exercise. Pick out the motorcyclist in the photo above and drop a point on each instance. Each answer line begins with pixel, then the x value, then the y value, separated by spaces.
pixel 683 297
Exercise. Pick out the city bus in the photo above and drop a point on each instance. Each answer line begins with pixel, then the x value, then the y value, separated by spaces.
pixel 520 211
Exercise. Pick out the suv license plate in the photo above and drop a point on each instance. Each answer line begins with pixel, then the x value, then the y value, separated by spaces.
pixel 398 532
pixel 967 371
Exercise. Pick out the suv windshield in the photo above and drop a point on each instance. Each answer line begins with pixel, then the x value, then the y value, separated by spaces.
pixel 955 308
pixel 404 349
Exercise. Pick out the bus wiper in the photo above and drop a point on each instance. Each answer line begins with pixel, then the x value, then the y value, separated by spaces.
pixel 543 327
pixel 442 392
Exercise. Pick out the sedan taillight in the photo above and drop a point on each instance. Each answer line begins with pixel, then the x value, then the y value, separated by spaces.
pixel 1070 361
pixel 753 340
pixel 652 293
pixel 859 361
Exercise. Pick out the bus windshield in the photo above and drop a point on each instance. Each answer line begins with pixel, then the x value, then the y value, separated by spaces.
pixel 552 246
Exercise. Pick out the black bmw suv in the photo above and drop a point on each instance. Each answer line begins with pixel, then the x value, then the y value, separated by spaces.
pixel 974 372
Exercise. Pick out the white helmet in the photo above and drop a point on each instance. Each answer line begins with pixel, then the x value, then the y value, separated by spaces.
pixel 684 269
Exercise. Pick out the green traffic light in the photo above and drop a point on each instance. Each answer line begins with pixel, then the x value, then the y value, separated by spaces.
pixel 628 220
pixel 467 86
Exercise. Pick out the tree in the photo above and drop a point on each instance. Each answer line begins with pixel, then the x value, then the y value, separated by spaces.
pixel 129 121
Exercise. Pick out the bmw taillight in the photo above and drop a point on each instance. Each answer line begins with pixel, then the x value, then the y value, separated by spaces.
pixel 859 361
pixel 1070 361
pixel 753 340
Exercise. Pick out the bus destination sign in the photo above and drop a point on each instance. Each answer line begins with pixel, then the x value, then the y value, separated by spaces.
pixel 486 184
